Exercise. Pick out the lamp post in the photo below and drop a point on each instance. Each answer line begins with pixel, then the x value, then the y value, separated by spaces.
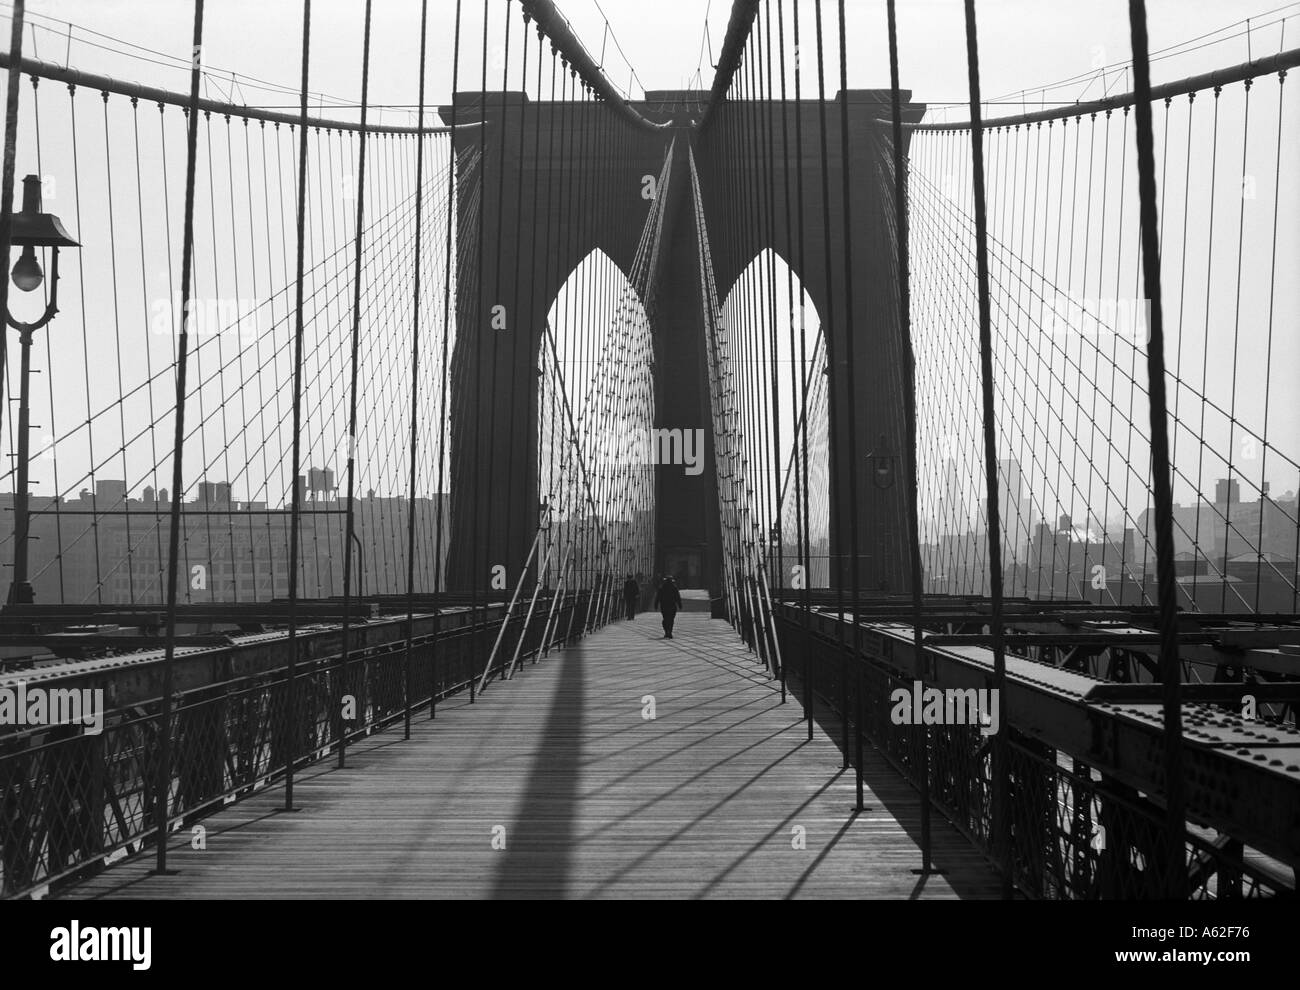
pixel 30 228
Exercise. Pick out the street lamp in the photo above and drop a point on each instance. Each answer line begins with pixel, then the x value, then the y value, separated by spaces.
pixel 30 228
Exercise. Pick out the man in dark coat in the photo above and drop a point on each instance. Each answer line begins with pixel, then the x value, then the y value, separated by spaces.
pixel 669 600
pixel 631 592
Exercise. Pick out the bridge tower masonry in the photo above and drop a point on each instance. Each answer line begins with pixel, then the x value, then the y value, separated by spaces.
pixel 543 155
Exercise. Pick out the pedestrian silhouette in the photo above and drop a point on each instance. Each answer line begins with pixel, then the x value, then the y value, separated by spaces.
pixel 668 600
pixel 631 592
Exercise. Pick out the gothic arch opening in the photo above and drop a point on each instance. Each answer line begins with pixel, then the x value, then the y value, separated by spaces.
pixel 596 407
pixel 778 357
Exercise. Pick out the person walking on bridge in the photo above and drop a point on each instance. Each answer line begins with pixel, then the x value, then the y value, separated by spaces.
pixel 631 593
pixel 668 600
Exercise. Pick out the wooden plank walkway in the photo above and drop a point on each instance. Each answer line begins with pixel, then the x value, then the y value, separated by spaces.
pixel 596 800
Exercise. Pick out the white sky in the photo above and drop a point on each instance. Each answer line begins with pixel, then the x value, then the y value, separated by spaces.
pixel 1024 43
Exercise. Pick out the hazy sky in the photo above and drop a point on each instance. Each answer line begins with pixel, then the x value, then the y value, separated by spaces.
pixel 1024 43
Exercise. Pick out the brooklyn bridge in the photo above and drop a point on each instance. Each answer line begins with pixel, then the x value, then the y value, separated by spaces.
pixel 810 481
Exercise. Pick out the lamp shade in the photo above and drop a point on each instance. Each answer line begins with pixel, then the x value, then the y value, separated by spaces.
pixel 32 227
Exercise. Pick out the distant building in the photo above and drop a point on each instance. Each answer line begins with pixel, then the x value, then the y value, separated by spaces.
pixel 104 547
pixel 1236 555
pixel 1230 555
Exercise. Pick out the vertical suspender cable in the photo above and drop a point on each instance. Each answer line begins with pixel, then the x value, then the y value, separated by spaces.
pixel 773 575
pixel 477 538
pixel 1001 821
pixel 796 370
pixel 1170 674
pixel 352 411
pixel 850 333
pixel 834 408
pixel 909 411
pixel 415 385
pixel 808 666
pixel 452 255
pixel 163 782
pixel 555 496
pixel 295 514
pixel 534 410
pixel 492 480
pixel 1268 355
pixel 513 321
pixel 1228 526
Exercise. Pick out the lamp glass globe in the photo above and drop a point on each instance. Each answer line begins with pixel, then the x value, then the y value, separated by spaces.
pixel 27 272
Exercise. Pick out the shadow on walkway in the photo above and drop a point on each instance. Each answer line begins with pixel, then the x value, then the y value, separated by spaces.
pixel 539 842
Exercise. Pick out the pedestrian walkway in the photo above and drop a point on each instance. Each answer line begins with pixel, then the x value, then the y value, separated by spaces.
pixel 627 766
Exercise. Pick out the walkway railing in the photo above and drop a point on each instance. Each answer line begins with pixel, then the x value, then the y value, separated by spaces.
pixel 72 803
pixel 1076 831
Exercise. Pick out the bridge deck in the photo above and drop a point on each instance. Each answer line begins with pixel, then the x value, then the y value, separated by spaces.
pixel 596 800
